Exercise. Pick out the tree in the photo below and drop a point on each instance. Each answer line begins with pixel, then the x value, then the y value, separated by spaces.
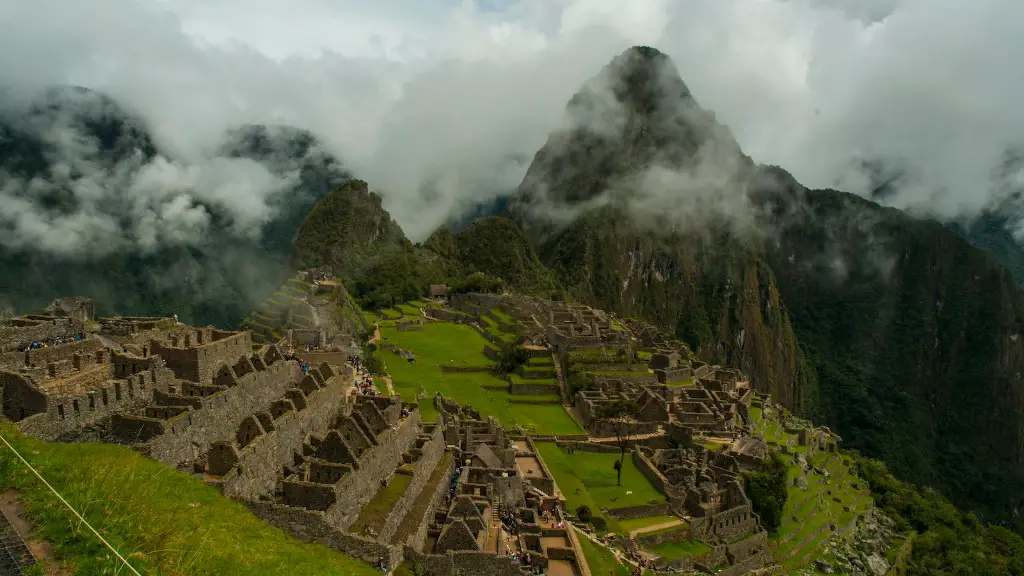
pixel 510 357
pixel 767 492
pixel 583 513
pixel 619 416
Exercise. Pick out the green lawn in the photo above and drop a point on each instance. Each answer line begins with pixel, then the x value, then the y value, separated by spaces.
pixel 681 549
pixel 375 513
pixel 163 520
pixel 588 478
pixel 459 345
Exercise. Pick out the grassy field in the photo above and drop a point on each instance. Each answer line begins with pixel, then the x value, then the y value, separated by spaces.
pixel 375 513
pixel 455 344
pixel 163 521
pixel 588 478
pixel 681 549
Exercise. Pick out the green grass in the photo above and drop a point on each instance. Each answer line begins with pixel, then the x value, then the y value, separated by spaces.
pixel 682 383
pixel 375 513
pixel 588 478
pixel 681 549
pixel 635 523
pixel 501 315
pixel 409 310
pixel 162 520
pixel 444 343
pixel 601 560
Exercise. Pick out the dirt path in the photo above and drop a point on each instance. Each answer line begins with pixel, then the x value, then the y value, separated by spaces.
pixel 655 527
pixel 387 382
pixel 13 510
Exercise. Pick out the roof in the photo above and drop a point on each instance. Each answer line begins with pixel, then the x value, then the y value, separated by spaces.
pixel 457 536
pixel 487 456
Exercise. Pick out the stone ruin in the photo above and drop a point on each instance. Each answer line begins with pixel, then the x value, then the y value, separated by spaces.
pixel 499 514
pixel 705 488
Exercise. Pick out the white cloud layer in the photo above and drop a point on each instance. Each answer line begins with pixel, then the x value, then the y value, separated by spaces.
pixel 447 93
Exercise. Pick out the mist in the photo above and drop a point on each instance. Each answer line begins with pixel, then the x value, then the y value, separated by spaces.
pixel 428 101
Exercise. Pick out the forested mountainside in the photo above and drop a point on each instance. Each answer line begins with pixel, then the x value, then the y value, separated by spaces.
pixel 895 331
pixel 76 170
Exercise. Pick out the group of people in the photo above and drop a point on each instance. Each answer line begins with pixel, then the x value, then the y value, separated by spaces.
pixel 453 484
pixel 641 565
pixel 367 387
pixel 510 520
pixel 54 341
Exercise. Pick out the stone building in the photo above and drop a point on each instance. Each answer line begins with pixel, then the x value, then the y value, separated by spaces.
pixel 78 308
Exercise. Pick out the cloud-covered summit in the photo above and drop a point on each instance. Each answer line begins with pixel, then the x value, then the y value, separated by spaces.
pixel 428 100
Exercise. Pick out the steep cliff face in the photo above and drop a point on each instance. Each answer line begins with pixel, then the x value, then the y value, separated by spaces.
pixel 707 290
pixel 914 335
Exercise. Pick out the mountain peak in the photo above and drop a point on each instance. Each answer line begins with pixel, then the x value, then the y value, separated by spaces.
pixel 635 115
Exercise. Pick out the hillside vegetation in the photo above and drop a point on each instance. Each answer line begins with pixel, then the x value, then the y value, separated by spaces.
pixel 161 520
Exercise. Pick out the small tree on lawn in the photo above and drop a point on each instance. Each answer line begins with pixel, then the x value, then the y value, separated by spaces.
pixel 619 417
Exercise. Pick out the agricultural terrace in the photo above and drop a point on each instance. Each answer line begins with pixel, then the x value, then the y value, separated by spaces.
pixel 834 498
pixel 443 343
pixel 588 479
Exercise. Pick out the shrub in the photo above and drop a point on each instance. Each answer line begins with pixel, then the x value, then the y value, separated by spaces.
pixel 583 513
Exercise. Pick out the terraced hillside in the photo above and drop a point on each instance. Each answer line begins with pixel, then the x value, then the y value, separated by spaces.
pixel 301 305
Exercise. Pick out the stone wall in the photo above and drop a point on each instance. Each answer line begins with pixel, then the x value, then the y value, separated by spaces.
pixel 358 487
pixel 604 429
pixel 431 454
pixel 312 526
pixel 43 356
pixel 18 333
pixel 640 511
pixel 418 539
pixel 742 549
pixel 528 388
pixel 199 363
pixel 192 433
pixel 258 465
pixel 678 534
pixel 69 415
pixel 452 368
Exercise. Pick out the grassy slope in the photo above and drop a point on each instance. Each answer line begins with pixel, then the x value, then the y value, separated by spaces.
pixel 444 343
pixel 375 513
pixel 163 520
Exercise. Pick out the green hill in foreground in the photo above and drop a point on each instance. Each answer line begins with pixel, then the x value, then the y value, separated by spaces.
pixel 161 520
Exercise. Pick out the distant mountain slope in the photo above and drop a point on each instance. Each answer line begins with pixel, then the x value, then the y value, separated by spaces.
pixel 75 168
pixel 895 331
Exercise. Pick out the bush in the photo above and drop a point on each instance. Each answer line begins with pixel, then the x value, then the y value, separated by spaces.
pixel 599 523
pixel 583 513
pixel 767 492
pixel 510 357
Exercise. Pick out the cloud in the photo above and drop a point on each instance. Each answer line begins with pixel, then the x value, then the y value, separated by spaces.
pixel 431 101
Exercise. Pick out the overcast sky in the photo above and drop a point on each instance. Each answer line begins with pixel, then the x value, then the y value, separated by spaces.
pixel 445 91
